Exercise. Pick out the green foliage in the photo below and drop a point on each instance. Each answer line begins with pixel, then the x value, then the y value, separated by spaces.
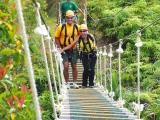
pixel 120 19
pixel 13 65
pixel 148 97
pixel 46 105
pixel 41 81
pixel 153 111
pixel 10 103
pixel 115 83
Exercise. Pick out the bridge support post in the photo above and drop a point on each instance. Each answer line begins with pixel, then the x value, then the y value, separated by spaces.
pixel 105 68
pixel 110 55
pixel 120 51
pixel 139 107
pixel 100 67
pixel 97 76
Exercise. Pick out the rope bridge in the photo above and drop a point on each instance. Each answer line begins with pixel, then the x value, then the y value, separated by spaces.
pixel 86 104
pixel 92 104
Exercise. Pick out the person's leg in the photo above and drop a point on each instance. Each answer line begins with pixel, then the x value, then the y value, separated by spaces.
pixel 91 77
pixel 74 64
pixel 85 71
pixel 74 72
pixel 85 78
pixel 92 63
pixel 74 67
pixel 66 67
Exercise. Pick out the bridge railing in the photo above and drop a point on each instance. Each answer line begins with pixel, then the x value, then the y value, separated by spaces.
pixel 104 75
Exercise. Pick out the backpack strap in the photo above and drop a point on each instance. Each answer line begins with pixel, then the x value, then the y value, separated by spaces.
pixel 89 37
pixel 88 42
pixel 74 27
pixel 65 38
pixel 84 45
pixel 63 26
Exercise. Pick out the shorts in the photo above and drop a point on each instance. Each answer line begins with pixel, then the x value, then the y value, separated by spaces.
pixel 70 56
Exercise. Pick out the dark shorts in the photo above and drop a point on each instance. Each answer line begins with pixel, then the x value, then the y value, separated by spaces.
pixel 70 56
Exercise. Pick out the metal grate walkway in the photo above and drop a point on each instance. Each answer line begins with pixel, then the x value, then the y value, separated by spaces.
pixel 91 104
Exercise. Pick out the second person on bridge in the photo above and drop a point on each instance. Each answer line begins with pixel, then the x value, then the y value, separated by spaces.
pixel 88 56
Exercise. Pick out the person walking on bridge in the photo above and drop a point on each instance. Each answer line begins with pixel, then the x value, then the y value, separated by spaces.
pixel 88 55
pixel 65 35
pixel 70 5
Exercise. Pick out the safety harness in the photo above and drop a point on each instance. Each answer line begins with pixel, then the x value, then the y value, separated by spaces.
pixel 72 36
pixel 89 37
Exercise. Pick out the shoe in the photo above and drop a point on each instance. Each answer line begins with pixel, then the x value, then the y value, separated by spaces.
pixel 91 86
pixel 84 86
pixel 68 85
pixel 75 86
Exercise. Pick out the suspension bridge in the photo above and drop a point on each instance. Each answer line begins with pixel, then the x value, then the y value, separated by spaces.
pixel 81 104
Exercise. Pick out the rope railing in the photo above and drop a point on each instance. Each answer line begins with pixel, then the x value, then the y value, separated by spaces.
pixel 29 62
pixel 110 55
pixel 44 32
pixel 55 54
pixel 97 68
pixel 45 60
pixel 120 51
pixel 138 107
pixel 57 67
pixel 105 69
pixel 52 69
pixel 100 65
pixel 138 45
pixel 55 50
pixel 58 58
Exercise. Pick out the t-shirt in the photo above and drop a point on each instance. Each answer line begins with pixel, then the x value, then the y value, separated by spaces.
pixel 61 34
pixel 65 6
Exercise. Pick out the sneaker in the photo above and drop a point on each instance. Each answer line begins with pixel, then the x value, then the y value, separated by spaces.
pixel 68 85
pixel 84 86
pixel 75 86
pixel 91 86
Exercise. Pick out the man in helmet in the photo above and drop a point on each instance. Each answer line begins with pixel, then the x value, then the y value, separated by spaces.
pixel 88 55
pixel 65 35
